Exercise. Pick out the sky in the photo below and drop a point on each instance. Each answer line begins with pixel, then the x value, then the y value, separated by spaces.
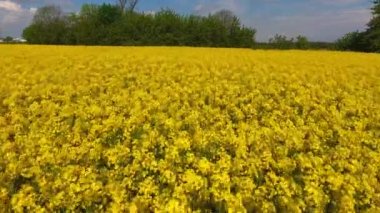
pixel 319 20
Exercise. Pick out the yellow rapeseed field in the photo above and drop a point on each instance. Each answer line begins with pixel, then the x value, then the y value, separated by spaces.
pixel 142 129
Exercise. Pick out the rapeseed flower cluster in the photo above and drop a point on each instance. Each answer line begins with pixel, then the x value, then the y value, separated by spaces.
pixel 110 129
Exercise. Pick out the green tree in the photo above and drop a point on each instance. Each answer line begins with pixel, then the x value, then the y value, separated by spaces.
pixel 8 39
pixel 229 25
pixel 97 24
pixel 369 40
pixel 128 4
pixel 302 42
pixel 192 29
pixel 281 42
pixel 49 26
pixel 86 25
pixel 228 19
pixel 353 41
pixel 373 31
pixel 168 28
pixel 108 25
pixel 108 18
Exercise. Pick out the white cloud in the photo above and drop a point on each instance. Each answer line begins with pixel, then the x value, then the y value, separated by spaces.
pixel 13 18
pixel 15 15
pixel 150 12
pixel 33 10
pixel 204 7
pixel 10 6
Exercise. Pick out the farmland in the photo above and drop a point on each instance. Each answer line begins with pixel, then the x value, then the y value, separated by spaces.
pixel 118 129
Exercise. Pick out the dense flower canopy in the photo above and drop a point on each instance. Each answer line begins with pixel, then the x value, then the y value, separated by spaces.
pixel 107 129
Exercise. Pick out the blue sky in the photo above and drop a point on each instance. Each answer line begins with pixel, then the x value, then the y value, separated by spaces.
pixel 319 20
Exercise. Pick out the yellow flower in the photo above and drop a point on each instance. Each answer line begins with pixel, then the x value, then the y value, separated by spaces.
pixel 162 129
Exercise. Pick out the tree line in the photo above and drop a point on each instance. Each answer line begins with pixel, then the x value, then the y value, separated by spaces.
pixel 282 42
pixel 108 24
